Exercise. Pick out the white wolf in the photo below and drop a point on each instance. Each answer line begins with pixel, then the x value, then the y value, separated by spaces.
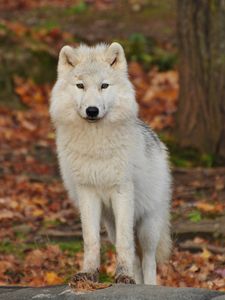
pixel 113 165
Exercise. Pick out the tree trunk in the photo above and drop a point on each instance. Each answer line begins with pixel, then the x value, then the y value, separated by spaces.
pixel 201 111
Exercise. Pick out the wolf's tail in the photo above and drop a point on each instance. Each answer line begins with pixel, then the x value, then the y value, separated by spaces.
pixel 165 245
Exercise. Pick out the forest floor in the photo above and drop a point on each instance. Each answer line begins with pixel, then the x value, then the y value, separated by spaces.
pixel 40 232
pixel 97 21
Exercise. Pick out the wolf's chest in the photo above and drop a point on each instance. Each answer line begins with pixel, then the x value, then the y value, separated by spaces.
pixel 99 162
pixel 98 172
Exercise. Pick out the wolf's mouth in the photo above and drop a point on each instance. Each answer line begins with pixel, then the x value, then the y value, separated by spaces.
pixel 92 120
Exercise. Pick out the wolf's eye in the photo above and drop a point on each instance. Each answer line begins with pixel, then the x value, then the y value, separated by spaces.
pixel 80 85
pixel 104 86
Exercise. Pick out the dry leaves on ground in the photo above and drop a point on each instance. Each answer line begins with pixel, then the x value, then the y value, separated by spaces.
pixel 32 197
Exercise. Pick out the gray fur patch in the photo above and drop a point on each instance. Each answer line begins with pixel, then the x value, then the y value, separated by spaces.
pixel 151 138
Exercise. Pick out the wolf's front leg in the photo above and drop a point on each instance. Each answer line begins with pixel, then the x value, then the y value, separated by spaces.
pixel 90 210
pixel 123 207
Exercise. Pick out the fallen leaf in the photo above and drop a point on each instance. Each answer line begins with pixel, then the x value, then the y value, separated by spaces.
pixel 207 207
pixel 38 213
pixel 194 268
pixel 87 285
pixel 52 278
pixel 206 254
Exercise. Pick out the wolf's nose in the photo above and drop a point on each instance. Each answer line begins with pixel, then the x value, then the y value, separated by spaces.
pixel 92 111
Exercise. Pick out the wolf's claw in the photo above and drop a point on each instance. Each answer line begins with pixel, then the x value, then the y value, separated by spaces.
pixel 83 276
pixel 122 278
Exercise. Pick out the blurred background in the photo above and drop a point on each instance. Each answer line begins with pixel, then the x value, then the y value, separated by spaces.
pixel 175 52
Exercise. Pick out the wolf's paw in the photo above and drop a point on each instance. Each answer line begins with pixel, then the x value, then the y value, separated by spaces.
pixel 83 276
pixel 122 278
pixel 81 282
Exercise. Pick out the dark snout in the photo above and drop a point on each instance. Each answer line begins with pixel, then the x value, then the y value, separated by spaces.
pixel 92 112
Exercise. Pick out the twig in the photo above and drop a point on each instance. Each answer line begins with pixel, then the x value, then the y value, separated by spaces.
pixel 193 247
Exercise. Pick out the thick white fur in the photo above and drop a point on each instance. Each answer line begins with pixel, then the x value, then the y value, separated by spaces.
pixel 115 169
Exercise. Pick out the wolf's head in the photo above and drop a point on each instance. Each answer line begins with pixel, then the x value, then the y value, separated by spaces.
pixel 92 86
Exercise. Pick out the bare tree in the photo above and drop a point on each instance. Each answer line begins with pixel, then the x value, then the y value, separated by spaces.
pixel 201 111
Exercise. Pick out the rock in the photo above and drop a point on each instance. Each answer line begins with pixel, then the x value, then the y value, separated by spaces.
pixel 120 291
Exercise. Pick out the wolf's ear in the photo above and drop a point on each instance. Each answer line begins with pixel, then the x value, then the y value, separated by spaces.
pixel 115 56
pixel 67 60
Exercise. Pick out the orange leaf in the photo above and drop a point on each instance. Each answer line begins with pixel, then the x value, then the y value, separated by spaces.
pixel 52 278
pixel 206 254
pixel 205 206
pixel 37 212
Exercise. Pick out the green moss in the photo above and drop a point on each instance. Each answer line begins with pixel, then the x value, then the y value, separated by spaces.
pixel 164 60
pixel 3 27
pixel 6 247
pixel 48 25
pixel 17 248
pixel 160 9
pixel 80 8
pixel 103 277
pixel 187 157
pixel 20 246
pixel 207 159
pixel 107 246
pixel 195 216
pixel 145 51
pixel 71 247
pixel 20 235
pixel 50 223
